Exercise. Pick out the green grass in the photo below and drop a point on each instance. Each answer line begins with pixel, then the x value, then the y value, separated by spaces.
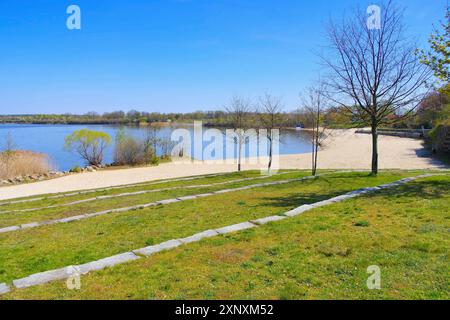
pixel 362 223
pixel 16 218
pixel 124 189
pixel 29 251
pixel 321 254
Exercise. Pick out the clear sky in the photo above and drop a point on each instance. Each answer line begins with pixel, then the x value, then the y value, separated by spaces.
pixel 168 55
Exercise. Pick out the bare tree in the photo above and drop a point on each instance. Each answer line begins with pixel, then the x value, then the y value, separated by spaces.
pixel 166 145
pixel 315 106
pixel 151 138
pixel 269 111
pixel 375 73
pixel 9 145
pixel 7 154
pixel 239 115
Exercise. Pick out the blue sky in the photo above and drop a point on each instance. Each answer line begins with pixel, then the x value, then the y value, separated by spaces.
pixel 168 55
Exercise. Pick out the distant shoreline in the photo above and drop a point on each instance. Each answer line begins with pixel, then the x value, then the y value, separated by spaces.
pixel 129 124
pixel 101 122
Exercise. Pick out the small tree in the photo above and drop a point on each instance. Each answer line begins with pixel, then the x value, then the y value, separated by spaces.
pixel 270 118
pixel 130 150
pixel 7 154
pixel 239 115
pixel 433 109
pixel 151 139
pixel 166 145
pixel 89 144
pixel 374 72
pixel 438 59
pixel 127 149
pixel 9 145
pixel 314 110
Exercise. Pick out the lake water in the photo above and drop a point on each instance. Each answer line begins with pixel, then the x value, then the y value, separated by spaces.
pixel 49 139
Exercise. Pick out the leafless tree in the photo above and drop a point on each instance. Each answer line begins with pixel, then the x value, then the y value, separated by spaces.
pixel 314 107
pixel 7 154
pixel 270 118
pixel 154 142
pixel 166 145
pixel 9 144
pixel 151 138
pixel 239 115
pixel 374 72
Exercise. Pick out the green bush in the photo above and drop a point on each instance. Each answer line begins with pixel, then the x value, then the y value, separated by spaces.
pixel 154 160
pixel 76 169
pixel 132 151
pixel 438 136
pixel 89 144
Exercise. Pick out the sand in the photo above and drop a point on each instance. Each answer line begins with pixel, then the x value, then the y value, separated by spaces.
pixel 344 150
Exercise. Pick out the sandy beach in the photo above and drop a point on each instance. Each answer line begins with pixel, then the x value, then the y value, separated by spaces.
pixel 344 150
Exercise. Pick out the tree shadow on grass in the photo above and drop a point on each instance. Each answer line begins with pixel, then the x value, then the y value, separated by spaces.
pixel 301 198
pixel 296 200
pixel 431 189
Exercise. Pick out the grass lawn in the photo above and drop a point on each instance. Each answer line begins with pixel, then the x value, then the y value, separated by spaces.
pixel 195 187
pixel 152 185
pixel 321 254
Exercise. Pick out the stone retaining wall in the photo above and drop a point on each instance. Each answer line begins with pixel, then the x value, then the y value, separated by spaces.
pixel 402 134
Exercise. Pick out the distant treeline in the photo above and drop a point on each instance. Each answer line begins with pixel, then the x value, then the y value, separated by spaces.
pixel 116 117
pixel 433 110
pixel 133 117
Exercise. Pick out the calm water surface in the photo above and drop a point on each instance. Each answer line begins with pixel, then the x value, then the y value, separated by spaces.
pixel 49 139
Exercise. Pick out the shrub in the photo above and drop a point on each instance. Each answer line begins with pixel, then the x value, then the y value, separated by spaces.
pixel 154 160
pixel 76 169
pixel 89 144
pixel 439 137
pixel 127 151
pixel 132 151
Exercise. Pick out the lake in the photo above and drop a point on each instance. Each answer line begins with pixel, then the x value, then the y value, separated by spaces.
pixel 49 139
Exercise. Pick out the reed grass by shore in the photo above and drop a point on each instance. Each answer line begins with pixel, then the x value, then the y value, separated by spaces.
pixel 21 163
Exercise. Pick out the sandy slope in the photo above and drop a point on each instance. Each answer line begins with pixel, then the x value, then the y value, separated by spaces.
pixel 345 150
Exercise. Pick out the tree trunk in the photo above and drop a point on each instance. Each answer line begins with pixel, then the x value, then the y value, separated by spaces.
pixel 313 155
pixel 316 154
pixel 270 154
pixel 374 147
pixel 239 156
